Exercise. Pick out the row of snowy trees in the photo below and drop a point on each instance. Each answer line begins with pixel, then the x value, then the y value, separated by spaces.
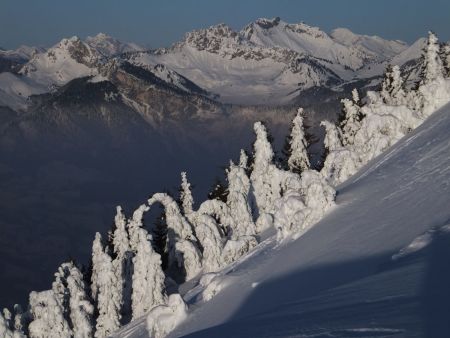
pixel 370 128
pixel 128 279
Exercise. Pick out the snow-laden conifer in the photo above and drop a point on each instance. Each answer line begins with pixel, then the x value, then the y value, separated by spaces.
pixel 238 201
pixel 433 68
pixel 351 123
pixel 181 241
pixel 108 305
pixel 134 224
pixel 48 318
pixel 211 240
pixel 81 309
pixel 392 91
pixel 122 261
pixel 298 157
pixel 187 201
pixel 148 277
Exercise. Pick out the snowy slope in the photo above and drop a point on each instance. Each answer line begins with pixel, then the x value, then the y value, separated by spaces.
pixel 344 277
pixel 15 90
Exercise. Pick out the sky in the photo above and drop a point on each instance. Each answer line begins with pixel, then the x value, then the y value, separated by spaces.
pixel 159 23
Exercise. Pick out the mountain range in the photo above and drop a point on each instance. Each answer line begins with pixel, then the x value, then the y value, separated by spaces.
pixel 268 62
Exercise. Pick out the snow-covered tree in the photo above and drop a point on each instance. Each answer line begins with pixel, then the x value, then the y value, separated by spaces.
pixel 238 201
pixel 211 240
pixel 445 55
pixel 148 277
pixel 392 91
pixel 181 241
pixel 7 327
pixel 243 159
pixel 135 224
pixel 103 282
pixel 81 309
pixel 352 119
pixel 297 156
pixel 187 201
pixel 48 318
pixel 433 68
pixel 122 261
pixel 333 136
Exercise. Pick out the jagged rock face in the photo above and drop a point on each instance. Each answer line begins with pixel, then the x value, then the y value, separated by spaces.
pixel 212 39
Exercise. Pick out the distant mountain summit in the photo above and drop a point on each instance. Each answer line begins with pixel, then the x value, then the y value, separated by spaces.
pixel 268 62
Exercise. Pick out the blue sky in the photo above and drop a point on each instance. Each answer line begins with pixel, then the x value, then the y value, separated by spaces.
pixel 157 23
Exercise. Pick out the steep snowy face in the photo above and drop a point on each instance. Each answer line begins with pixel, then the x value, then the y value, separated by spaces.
pixel 110 46
pixel 67 60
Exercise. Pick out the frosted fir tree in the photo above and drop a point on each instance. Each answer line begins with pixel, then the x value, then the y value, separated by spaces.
pixel 21 321
pixel 351 123
pixel 81 309
pixel 392 91
pixel 187 201
pixel 7 330
pixel 432 68
pixel 148 277
pixel 97 250
pixel 243 159
pixel 238 201
pixel 333 136
pixel 48 318
pixel 297 156
pixel 103 282
pixel 262 169
pixel 122 262
pixel 446 58
pixel 135 224
pixel 211 240
pixel 181 241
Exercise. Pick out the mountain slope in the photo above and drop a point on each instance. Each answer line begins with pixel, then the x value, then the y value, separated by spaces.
pixel 344 277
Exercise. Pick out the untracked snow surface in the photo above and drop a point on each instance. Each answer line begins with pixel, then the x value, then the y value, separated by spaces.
pixel 377 265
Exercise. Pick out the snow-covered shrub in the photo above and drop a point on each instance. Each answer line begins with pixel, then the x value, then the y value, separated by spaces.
pixel 148 277
pixel 48 318
pixel 297 210
pixel 235 249
pixel 164 318
pixel 189 257
pixel 264 222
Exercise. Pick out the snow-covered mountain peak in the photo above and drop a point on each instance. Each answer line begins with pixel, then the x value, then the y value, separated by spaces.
pixel 68 59
pixel 212 39
pixel 109 46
